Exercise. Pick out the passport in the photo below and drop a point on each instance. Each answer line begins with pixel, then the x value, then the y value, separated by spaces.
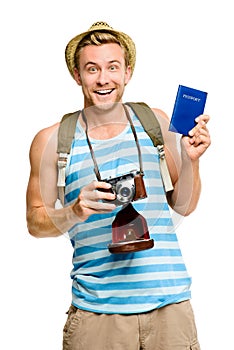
pixel 189 104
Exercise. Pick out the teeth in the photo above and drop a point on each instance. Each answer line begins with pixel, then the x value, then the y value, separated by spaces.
pixel 103 92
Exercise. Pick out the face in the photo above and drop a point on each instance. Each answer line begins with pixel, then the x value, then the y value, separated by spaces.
pixel 102 74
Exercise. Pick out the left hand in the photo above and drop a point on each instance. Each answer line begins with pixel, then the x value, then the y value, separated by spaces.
pixel 199 138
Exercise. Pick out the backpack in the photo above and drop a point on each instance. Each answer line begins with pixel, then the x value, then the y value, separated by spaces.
pixel 149 122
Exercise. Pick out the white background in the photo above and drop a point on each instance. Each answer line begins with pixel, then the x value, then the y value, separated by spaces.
pixel 178 42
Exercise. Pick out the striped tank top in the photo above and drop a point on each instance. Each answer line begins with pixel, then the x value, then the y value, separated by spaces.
pixel 123 283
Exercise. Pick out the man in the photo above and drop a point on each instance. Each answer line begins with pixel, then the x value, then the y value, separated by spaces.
pixel 136 300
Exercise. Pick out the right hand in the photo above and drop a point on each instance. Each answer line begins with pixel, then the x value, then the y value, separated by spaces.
pixel 90 199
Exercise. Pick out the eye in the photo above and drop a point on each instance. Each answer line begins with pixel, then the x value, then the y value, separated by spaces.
pixel 113 67
pixel 92 69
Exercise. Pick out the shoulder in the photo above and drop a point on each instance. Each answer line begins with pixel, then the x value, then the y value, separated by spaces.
pixel 161 115
pixel 44 138
pixel 46 133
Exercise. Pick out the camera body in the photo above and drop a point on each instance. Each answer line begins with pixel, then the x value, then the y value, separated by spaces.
pixel 127 188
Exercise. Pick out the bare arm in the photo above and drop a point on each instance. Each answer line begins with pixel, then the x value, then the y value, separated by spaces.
pixel 184 165
pixel 43 219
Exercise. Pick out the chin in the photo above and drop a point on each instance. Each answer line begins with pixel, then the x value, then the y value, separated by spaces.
pixel 107 106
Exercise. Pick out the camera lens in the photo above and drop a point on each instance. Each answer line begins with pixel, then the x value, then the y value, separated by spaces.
pixel 125 192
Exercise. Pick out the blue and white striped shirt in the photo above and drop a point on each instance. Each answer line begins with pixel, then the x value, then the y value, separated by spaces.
pixel 123 283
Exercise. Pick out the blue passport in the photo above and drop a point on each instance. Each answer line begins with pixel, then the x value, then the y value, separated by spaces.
pixel 189 104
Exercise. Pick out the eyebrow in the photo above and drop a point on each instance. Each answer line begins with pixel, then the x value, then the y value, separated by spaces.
pixel 94 63
pixel 90 62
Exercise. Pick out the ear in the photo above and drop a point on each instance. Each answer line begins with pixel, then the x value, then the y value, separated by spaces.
pixel 128 74
pixel 77 76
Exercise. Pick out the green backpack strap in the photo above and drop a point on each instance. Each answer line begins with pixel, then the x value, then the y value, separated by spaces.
pixel 148 120
pixel 152 127
pixel 66 134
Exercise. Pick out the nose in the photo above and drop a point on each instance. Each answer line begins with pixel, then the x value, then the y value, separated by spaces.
pixel 103 77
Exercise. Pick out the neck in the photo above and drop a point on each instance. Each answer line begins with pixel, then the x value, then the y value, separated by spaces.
pixel 104 121
pixel 107 113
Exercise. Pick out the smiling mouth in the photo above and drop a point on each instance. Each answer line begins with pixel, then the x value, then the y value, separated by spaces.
pixel 104 92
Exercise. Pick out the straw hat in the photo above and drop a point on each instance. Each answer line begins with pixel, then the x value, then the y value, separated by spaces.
pixel 124 39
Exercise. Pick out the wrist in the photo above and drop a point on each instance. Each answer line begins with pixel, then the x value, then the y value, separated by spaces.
pixel 74 213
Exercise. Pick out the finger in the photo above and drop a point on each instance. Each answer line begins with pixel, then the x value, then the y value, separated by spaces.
pixel 94 185
pixel 202 136
pixel 104 191
pixel 97 206
pixel 94 192
pixel 195 141
pixel 88 204
pixel 104 194
pixel 102 185
pixel 203 131
pixel 202 118
pixel 201 121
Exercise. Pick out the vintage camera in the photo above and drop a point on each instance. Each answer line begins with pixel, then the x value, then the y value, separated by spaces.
pixel 127 188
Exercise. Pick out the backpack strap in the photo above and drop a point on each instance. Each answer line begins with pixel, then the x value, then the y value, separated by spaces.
pixel 149 121
pixel 152 127
pixel 66 134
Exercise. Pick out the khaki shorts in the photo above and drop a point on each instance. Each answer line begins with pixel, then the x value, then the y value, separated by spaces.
pixel 169 328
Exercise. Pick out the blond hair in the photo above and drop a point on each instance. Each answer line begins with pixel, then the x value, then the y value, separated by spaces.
pixel 99 38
